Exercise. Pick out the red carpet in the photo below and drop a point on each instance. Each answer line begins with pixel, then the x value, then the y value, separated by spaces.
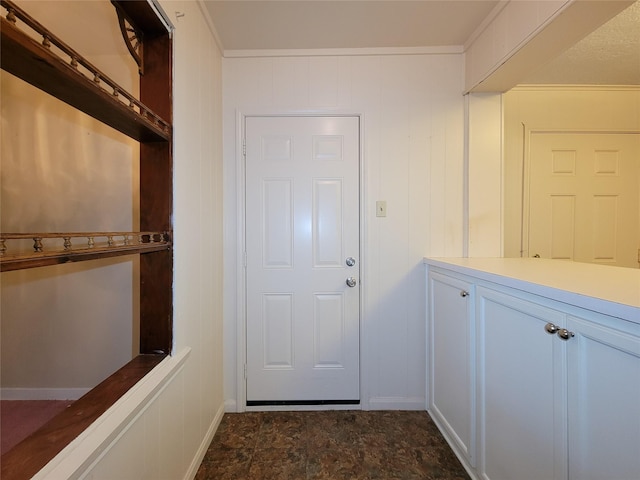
pixel 20 418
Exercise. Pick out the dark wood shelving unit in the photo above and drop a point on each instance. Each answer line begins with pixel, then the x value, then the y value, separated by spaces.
pixel 55 68
pixel 35 64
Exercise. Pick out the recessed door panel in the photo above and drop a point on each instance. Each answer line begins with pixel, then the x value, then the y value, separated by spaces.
pixel 327 223
pixel 329 332
pixel 277 327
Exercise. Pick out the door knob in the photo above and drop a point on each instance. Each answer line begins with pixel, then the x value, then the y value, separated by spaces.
pixel 350 261
pixel 351 282
pixel 565 334
pixel 551 328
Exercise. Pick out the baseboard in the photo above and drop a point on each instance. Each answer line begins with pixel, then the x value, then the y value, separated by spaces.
pixel 397 403
pixel 42 393
pixel 202 451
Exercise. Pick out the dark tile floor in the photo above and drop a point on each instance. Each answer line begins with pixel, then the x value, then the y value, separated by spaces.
pixel 333 445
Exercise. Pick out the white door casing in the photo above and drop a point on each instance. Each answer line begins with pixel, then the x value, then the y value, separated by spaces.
pixel 301 225
pixel 583 202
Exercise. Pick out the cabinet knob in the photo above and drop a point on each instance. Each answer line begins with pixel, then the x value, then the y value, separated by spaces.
pixel 565 334
pixel 464 293
pixel 550 328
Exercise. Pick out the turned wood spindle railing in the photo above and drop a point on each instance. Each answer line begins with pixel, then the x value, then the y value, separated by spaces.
pixel 54 248
pixel 20 20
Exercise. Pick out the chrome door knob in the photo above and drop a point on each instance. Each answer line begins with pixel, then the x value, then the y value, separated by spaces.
pixel 565 334
pixel 464 293
pixel 350 261
pixel 550 328
pixel 351 282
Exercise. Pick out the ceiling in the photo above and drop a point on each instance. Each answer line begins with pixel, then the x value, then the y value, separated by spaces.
pixel 610 55
pixel 308 24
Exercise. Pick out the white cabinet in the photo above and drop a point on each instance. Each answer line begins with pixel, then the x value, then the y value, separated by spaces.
pixel 604 400
pixel 451 374
pixel 527 387
pixel 521 382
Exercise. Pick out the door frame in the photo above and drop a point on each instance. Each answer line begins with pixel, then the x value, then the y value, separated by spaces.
pixel 526 170
pixel 241 286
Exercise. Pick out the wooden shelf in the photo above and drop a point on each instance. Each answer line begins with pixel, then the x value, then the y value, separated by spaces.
pixel 34 452
pixel 38 65
pixel 134 244
pixel 21 262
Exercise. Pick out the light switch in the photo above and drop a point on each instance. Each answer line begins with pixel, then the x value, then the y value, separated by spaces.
pixel 381 208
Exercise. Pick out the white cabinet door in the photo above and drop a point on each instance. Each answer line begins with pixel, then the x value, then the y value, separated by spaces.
pixel 521 390
pixel 451 350
pixel 604 399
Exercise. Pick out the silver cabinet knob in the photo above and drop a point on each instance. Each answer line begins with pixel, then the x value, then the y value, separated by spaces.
pixel 565 334
pixel 550 328
pixel 464 293
pixel 350 261
pixel 351 282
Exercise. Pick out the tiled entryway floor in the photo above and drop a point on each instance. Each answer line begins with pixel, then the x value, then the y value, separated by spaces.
pixel 334 444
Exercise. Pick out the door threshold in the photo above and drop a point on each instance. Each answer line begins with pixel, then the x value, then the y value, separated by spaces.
pixel 277 403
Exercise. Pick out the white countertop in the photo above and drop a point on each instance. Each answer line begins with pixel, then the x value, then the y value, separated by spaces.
pixel 608 290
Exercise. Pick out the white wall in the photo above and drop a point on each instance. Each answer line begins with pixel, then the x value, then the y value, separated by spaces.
pixel 515 22
pixel 484 177
pixel 162 427
pixel 413 158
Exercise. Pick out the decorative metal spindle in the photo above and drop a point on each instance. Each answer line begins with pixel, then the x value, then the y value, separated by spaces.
pixel 3 247
pixel 110 241
pixel 11 17
pixel 96 77
pixel 115 92
pixel 127 240
pixel 45 41
pixel 37 244
pixel 152 238
pixel 67 243
pixel 74 62
pixel 90 242
pixel 140 238
pixel 131 104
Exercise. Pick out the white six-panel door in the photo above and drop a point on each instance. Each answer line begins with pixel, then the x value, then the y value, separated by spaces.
pixel 302 245
pixel 584 203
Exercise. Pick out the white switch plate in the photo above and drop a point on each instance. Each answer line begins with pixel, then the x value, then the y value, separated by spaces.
pixel 381 208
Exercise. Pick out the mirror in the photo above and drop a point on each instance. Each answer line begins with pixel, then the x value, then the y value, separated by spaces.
pixel 572 124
